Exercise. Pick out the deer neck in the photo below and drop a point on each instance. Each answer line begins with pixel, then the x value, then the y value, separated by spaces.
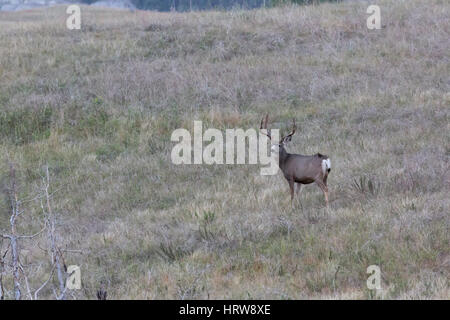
pixel 282 156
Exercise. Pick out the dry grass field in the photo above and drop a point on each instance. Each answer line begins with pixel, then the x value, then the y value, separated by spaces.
pixel 99 105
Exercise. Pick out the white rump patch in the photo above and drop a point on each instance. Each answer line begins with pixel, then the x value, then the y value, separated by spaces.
pixel 326 165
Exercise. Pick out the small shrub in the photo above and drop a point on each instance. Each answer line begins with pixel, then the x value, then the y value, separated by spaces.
pixel 204 229
pixel 109 152
pixel 366 186
pixel 91 120
pixel 172 252
pixel 94 123
pixel 26 125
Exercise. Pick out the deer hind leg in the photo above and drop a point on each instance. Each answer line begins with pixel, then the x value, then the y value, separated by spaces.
pixel 322 185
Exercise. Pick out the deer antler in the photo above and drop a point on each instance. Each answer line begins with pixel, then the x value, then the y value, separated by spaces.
pixel 264 121
pixel 294 127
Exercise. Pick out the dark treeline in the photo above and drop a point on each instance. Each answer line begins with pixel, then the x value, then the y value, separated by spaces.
pixel 185 5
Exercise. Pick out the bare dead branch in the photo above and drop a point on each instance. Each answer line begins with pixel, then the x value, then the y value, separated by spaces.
pixel 26 281
pixel 56 254
pixel 44 284
pixel 33 235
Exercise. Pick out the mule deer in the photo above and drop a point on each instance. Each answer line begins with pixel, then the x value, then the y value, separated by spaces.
pixel 298 168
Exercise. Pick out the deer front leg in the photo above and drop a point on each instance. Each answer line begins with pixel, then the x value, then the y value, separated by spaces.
pixel 324 189
pixel 299 188
pixel 291 186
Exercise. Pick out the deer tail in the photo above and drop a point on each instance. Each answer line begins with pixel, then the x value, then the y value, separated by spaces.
pixel 326 166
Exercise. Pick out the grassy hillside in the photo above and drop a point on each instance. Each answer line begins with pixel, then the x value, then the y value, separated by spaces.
pixel 99 106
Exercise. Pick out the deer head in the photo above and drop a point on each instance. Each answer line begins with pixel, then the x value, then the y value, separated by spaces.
pixel 277 147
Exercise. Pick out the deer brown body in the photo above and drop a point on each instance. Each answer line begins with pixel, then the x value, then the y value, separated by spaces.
pixel 299 169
